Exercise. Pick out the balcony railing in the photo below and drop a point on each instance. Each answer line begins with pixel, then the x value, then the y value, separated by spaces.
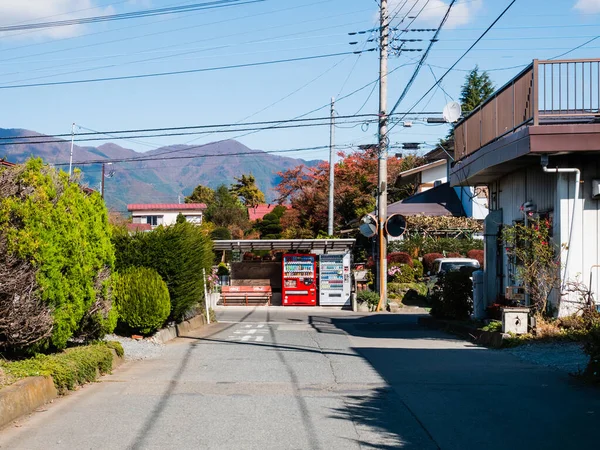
pixel 546 92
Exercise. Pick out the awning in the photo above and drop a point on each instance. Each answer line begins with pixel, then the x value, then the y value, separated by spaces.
pixel 289 245
pixel 441 200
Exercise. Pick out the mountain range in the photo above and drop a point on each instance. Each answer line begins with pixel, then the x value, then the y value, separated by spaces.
pixel 160 181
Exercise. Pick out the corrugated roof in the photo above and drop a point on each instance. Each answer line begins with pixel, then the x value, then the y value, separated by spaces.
pixel 6 163
pixel 326 245
pixel 165 206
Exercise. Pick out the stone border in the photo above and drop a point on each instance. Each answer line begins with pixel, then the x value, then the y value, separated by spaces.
pixel 27 395
pixel 492 339
pixel 169 333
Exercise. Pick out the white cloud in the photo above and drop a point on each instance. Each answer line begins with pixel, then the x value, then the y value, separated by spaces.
pixel 461 13
pixel 588 6
pixel 13 12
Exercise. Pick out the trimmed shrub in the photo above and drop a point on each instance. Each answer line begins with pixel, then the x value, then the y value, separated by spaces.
pixel 476 254
pixel 178 253
pixel 72 368
pixel 401 273
pixel 428 260
pixel 418 268
pixel 400 258
pixel 222 270
pixel 408 293
pixel 369 297
pixel 453 299
pixel 56 253
pixel 418 245
pixel 453 255
pixel 220 234
pixel 142 299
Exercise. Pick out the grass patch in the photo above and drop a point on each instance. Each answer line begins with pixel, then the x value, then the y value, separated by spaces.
pixel 69 369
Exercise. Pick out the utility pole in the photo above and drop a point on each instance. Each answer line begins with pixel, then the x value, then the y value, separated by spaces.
pixel 383 151
pixel 331 166
pixel 72 141
pixel 102 194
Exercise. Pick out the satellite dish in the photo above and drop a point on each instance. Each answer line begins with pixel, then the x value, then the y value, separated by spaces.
pixel 452 112
pixel 368 226
pixel 395 226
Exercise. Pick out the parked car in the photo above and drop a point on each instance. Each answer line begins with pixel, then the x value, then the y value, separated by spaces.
pixel 445 265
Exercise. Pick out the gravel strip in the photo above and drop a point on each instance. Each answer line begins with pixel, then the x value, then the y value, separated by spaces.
pixel 565 356
pixel 136 350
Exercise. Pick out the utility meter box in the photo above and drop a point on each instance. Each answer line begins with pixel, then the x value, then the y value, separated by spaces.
pixel 515 320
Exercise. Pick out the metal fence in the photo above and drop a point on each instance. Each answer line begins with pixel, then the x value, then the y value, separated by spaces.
pixel 544 92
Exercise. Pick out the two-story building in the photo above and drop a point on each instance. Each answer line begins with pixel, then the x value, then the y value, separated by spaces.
pixel 536 144
pixel 155 214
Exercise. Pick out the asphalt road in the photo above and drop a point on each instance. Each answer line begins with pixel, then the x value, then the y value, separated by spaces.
pixel 319 379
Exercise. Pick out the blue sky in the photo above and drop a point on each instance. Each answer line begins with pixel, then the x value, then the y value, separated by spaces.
pixel 256 32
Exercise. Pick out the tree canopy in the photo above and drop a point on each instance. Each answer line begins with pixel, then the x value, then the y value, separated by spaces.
pixel 201 194
pixel 247 191
pixel 227 211
pixel 475 90
pixel 307 188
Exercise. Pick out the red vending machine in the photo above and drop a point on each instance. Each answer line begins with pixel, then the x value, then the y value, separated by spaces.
pixel 299 286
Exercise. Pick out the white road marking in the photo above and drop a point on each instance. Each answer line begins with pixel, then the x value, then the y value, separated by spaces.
pixel 246 338
pixel 260 338
pixel 260 326
pixel 251 331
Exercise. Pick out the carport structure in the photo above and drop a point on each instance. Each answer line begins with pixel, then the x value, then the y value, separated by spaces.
pixel 256 276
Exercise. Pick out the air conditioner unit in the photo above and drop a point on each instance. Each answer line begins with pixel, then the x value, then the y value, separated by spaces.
pixel 596 189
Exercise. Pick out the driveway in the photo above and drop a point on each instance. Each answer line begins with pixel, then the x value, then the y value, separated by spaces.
pixel 274 378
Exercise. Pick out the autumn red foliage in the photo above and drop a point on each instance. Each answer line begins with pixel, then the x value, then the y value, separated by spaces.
pixel 400 258
pixel 476 254
pixel 307 188
pixel 428 260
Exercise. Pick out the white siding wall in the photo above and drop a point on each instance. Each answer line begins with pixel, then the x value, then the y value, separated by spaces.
pixel 584 247
pixel 168 217
pixel 555 192
pixel 435 173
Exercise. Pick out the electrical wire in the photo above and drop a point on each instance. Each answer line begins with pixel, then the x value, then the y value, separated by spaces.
pixel 460 58
pixel 130 15
pixel 177 72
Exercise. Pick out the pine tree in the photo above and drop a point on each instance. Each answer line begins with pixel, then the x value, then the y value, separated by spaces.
pixel 247 191
pixel 476 89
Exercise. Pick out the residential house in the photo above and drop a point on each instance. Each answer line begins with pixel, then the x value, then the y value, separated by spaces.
pixel 155 214
pixel 463 201
pixel 535 143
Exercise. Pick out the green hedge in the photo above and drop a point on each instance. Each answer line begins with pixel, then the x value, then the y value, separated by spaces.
pixel 419 245
pixel 62 232
pixel 178 253
pixel 142 299
pixel 69 369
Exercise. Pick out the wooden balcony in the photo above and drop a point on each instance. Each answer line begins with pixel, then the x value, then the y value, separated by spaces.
pixel 544 93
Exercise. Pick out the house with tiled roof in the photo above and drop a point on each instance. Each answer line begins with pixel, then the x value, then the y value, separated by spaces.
pixel 260 211
pixel 156 214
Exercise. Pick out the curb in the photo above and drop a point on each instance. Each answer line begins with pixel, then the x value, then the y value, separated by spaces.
pixel 492 339
pixel 168 334
pixel 24 397
pixel 27 395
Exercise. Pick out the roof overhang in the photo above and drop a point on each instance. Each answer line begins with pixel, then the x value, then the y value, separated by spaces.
pixel 406 173
pixel 291 245
pixel 521 149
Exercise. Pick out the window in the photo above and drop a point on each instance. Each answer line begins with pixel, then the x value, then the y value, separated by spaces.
pixel 154 220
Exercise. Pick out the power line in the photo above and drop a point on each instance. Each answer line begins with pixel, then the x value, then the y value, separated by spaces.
pixel 130 15
pixel 423 58
pixel 178 72
pixel 460 58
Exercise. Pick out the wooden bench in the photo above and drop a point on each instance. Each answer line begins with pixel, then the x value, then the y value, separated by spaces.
pixel 246 294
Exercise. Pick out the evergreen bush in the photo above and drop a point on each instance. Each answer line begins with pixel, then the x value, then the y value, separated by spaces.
pixel 55 259
pixel 453 299
pixel 418 269
pixel 142 299
pixel 479 255
pixel 369 297
pixel 178 253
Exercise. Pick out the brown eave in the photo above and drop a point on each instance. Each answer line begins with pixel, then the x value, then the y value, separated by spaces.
pixel 518 150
